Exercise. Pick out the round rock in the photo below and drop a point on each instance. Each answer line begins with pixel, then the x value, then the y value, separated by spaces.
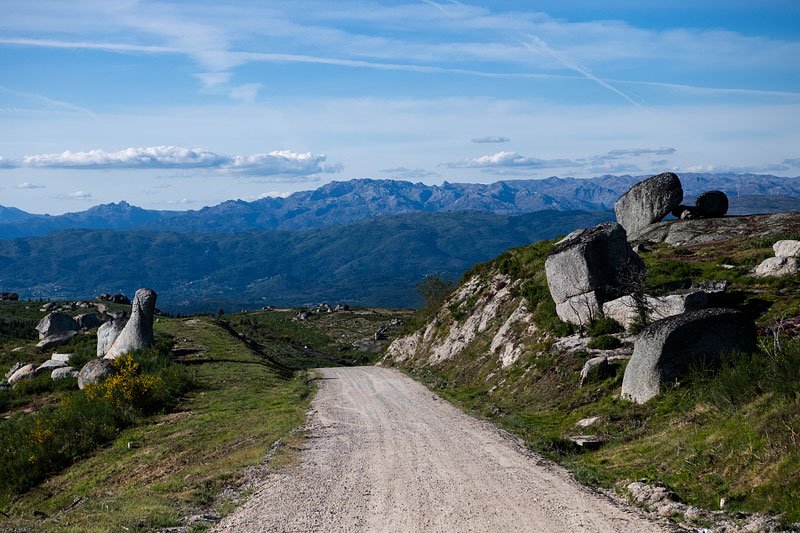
pixel 712 204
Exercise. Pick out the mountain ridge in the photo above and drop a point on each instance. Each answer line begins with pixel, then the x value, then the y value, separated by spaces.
pixel 344 202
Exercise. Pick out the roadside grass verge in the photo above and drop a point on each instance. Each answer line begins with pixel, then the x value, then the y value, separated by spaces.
pixel 173 464
pixel 729 433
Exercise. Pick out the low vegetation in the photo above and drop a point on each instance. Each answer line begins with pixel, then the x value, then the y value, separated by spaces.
pixel 724 433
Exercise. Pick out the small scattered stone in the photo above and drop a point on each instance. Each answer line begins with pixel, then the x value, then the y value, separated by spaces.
pixel 586 422
pixel 26 372
pixel 50 364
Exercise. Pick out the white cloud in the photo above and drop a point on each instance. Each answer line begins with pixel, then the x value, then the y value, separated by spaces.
pixel 80 195
pixel 28 185
pixel 491 139
pixel 182 201
pixel 613 161
pixel 277 162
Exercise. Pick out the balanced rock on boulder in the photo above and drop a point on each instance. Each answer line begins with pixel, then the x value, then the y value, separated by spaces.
pixel 590 267
pixel 666 349
pixel 712 204
pixel 648 202
pixel 785 262
pixel 138 332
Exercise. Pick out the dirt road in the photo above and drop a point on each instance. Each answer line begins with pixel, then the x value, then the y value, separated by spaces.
pixel 385 454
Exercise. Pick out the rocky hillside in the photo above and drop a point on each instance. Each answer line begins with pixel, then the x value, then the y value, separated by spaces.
pixel 722 438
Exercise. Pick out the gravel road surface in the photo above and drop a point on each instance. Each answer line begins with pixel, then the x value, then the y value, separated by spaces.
pixel 385 454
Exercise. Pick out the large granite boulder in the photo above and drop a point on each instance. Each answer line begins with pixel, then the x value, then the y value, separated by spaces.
pixel 666 349
pixel 138 332
pixel 712 204
pixel 648 202
pixel 108 332
pixel 590 267
pixel 787 248
pixel 25 372
pixel 777 266
pixel 56 324
pixel 94 371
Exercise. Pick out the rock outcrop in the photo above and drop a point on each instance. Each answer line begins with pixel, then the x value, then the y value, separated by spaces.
pixel 785 262
pixel 108 332
pixel 94 371
pixel 25 372
pixel 589 268
pixel 647 202
pixel 708 230
pixel 138 332
pixel 56 324
pixel 665 349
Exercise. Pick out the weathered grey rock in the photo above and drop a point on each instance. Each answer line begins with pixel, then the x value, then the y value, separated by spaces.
pixel 598 366
pixel 787 248
pixel 706 230
pixel 16 366
pixel 590 267
pixel 94 371
pixel 138 332
pixel 49 306
pixel 55 340
pixel 712 204
pixel 665 349
pixel 50 365
pixel 26 372
pixel 65 357
pixel 108 332
pixel 586 422
pixel 11 296
pixel 691 213
pixel 63 373
pixel 625 310
pixel 88 320
pixel 55 324
pixel 647 202
pixel 590 442
pixel 777 266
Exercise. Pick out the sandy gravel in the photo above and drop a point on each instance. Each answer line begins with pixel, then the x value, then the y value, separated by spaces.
pixel 385 454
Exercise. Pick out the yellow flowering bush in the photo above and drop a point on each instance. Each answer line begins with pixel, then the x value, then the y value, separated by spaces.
pixel 128 387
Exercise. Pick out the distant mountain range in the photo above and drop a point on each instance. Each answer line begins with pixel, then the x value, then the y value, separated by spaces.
pixel 338 203
pixel 376 262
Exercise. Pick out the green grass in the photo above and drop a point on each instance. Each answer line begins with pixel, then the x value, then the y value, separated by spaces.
pixel 179 461
pixel 732 432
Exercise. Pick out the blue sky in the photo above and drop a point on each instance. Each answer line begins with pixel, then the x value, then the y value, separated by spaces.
pixel 176 105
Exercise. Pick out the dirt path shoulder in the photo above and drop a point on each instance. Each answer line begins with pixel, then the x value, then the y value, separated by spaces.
pixel 386 454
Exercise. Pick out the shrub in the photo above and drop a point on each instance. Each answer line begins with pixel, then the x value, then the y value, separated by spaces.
pixel 33 446
pixel 604 342
pixel 604 326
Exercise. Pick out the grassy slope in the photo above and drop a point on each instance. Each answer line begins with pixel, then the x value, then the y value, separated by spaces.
pixel 180 460
pixel 732 435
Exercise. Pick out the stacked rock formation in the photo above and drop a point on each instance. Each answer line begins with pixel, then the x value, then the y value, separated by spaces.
pixel 785 262
pixel 588 268
pixel 648 202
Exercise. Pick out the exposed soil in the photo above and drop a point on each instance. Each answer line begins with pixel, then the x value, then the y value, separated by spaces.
pixel 385 454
